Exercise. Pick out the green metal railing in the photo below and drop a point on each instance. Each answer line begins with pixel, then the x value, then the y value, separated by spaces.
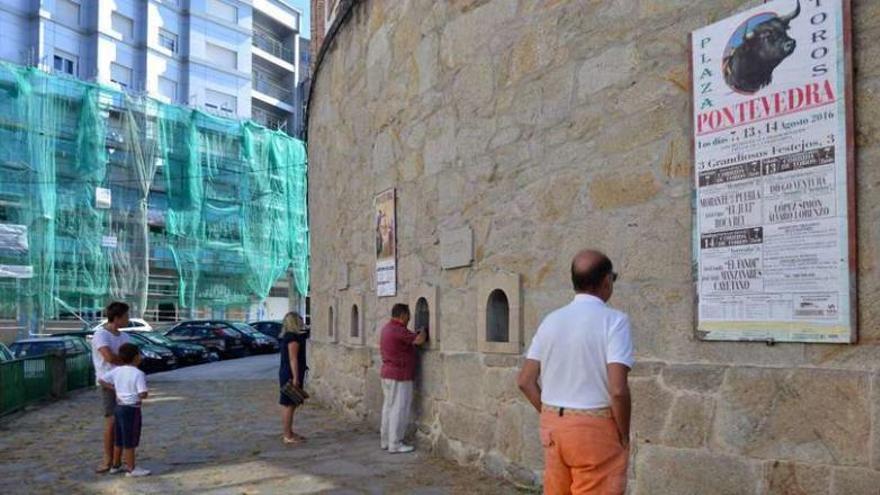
pixel 34 379
pixel 80 371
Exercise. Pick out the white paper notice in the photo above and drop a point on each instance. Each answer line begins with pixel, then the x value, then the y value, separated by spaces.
pixel 109 241
pixel 13 238
pixel 102 198
pixel 16 271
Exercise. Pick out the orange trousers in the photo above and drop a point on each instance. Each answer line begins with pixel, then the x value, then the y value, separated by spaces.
pixel 582 455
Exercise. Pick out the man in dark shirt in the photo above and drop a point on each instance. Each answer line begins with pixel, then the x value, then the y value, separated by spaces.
pixel 398 347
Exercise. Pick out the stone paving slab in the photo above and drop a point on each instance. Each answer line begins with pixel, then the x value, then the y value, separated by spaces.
pixel 218 437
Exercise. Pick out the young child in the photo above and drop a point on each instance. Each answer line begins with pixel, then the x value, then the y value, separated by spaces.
pixel 130 385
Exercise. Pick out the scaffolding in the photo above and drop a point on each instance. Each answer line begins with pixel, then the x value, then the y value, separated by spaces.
pixel 99 188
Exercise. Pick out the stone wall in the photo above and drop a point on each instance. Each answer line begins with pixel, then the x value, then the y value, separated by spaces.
pixel 548 126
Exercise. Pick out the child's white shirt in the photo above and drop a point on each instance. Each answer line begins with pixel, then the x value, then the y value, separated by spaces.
pixel 129 383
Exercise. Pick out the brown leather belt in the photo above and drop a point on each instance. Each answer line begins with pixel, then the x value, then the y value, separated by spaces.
pixel 602 412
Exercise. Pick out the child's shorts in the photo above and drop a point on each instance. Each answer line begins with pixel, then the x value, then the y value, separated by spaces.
pixel 127 426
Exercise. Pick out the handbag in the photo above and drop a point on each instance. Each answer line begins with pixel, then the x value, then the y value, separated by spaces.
pixel 294 392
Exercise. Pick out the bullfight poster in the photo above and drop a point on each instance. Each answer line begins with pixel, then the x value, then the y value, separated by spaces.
pixel 774 231
pixel 386 244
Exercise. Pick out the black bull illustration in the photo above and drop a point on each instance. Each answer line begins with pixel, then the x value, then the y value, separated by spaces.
pixel 749 67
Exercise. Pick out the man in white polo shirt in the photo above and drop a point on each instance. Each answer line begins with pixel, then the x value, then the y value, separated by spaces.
pixel 105 354
pixel 575 374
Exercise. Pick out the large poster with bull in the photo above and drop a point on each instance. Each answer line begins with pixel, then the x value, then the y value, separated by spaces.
pixel 773 174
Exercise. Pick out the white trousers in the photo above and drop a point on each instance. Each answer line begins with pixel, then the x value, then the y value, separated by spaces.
pixel 395 411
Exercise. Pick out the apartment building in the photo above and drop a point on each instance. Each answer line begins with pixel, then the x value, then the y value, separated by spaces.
pixel 235 58
pixel 238 58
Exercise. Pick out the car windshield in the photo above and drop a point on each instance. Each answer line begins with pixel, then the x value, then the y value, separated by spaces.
pixel 23 349
pixel 245 328
pixel 156 338
pixel 138 339
pixel 164 327
pixel 229 331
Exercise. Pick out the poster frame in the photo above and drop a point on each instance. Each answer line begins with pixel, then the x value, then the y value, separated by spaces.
pixel 376 199
pixel 851 200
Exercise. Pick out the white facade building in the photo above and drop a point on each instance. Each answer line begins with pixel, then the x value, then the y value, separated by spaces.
pixel 231 57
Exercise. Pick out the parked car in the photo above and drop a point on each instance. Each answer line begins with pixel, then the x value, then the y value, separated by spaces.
pixel 65 344
pixel 256 341
pixel 153 357
pixel 85 335
pixel 134 325
pixel 272 328
pixel 221 339
pixel 184 352
pixel 5 353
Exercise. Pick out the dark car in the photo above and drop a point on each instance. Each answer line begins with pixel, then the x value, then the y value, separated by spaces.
pixel 256 341
pixel 184 352
pixel 272 328
pixel 153 357
pixel 221 339
pixel 64 344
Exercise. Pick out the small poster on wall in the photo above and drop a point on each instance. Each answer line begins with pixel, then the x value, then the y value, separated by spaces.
pixel 773 171
pixel 103 198
pixel 386 244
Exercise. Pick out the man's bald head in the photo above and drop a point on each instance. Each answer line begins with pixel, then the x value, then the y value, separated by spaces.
pixel 589 268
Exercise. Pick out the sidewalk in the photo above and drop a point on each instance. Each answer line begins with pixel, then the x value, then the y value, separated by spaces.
pixel 219 436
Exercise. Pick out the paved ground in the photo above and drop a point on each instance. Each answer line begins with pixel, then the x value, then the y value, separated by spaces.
pixel 215 429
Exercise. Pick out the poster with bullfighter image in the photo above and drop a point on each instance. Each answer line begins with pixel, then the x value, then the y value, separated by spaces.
pixel 774 214
pixel 386 244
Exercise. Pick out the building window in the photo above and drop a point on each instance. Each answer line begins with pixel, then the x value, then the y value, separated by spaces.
pixel 223 10
pixel 330 11
pixel 215 100
pixel 498 317
pixel 423 314
pixel 67 12
pixel 308 318
pixel 168 88
pixel 355 330
pixel 168 40
pixel 121 75
pixel 123 26
pixel 64 63
pixel 499 312
pixel 221 57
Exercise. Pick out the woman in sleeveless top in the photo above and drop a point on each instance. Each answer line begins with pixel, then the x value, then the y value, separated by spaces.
pixel 293 366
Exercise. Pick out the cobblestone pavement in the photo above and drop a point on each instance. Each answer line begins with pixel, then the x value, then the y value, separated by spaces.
pixel 217 436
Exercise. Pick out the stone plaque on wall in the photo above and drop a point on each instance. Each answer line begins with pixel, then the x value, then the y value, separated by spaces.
pixel 342 277
pixel 456 248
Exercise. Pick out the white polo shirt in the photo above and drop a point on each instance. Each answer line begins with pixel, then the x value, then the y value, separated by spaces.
pixel 574 344
pixel 105 338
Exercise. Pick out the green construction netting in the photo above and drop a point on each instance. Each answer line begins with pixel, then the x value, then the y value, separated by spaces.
pixel 219 204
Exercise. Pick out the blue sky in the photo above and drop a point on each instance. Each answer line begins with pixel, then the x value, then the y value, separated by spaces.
pixel 304 6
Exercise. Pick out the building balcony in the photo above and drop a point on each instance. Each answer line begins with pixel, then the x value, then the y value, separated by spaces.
pixel 272 45
pixel 272 88
pixel 269 119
